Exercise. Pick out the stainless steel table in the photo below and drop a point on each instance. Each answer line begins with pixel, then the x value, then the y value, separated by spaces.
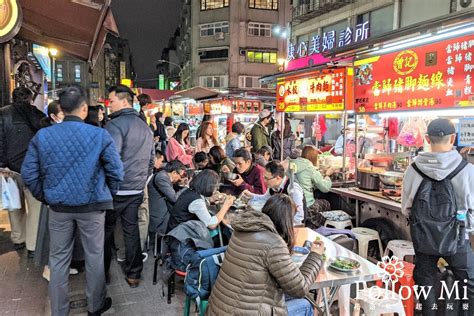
pixel 364 197
pixel 332 279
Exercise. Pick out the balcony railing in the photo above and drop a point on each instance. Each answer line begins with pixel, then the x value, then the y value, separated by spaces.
pixel 313 8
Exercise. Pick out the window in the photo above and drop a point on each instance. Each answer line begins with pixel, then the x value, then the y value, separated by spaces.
pixel 213 28
pixel 59 72
pixel 205 55
pixel 251 82
pixel 260 29
pixel 263 4
pixel 77 73
pixel 261 57
pixel 213 81
pixel 213 4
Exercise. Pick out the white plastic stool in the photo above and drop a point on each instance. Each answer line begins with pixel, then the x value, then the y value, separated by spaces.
pixel 364 236
pixel 339 224
pixel 400 249
pixel 376 301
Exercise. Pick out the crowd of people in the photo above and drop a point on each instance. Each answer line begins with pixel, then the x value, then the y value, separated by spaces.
pixel 98 186
pixel 104 183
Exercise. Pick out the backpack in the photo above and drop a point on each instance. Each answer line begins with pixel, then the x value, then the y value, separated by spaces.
pixel 181 253
pixel 433 226
pixel 202 271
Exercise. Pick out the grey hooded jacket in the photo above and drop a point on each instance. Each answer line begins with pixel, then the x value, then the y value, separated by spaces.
pixel 438 166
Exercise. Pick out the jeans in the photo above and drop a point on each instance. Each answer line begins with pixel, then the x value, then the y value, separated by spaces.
pixel 125 207
pixel 427 274
pixel 298 306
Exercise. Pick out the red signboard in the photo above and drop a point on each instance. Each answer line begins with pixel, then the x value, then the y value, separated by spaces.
pixel 434 76
pixel 317 91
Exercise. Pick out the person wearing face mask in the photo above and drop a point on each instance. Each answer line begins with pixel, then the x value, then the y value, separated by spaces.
pixel 19 123
pixel 55 115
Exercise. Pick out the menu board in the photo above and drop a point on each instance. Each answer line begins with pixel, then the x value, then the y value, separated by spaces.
pixel 246 106
pixel 433 76
pixel 466 132
pixel 317 91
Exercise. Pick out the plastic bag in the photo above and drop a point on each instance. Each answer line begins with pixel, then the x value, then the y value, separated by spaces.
pixel 412 133
pixel 10 194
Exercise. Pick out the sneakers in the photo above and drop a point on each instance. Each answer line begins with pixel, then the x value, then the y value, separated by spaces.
pixel 105 307
pixel 47 273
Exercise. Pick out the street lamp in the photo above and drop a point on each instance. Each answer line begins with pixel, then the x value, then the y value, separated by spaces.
pixel 53 52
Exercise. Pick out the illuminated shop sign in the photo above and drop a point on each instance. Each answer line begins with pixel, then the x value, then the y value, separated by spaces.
pixel 438 75
pixel 318 91
pixel 329 41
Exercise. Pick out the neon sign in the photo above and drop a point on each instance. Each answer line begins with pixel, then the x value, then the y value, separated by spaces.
pixel 329 41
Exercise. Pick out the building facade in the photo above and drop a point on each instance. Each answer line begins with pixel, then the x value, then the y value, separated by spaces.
pixel 332 24
pixel 227 45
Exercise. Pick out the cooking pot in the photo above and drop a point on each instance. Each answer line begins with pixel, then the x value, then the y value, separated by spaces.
pixel 392 178
pixel 367 180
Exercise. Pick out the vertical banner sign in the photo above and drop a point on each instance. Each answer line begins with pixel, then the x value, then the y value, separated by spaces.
pixel 123 70
pixel 161 82
pixel 433 76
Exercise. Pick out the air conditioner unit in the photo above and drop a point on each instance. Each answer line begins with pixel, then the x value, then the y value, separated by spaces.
pixel 219 36
pixel 242 52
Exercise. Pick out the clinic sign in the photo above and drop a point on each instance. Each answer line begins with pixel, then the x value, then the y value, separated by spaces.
pixel 328 41
pixel 10 19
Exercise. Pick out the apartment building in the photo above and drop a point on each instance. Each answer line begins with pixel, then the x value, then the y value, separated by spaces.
pixel 230 44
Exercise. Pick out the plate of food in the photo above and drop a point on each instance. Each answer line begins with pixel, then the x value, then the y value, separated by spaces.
pixel 239 203
pixel 344 264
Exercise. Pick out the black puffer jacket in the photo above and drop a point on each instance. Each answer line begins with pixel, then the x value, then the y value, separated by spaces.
pixel 134 141
pixel 18 124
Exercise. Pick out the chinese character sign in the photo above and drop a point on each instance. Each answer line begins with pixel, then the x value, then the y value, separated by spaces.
pixel 437 75
pixel 328 41
pixel 318 91
pixel 466 132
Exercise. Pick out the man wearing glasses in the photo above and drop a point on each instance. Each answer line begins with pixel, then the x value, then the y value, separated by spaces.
pixel 134 141
pixel 277 182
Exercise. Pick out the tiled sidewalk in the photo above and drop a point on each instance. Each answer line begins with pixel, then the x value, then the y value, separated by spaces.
pixel 24 292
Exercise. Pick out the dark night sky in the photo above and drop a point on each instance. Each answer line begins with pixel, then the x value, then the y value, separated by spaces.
pixel 147 24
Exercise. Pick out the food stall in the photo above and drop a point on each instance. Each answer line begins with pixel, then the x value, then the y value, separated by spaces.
pixel 246 111
pixel 220 110
pixel 316 98
pixel 398 90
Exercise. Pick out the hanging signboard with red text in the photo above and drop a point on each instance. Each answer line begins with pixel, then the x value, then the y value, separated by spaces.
pixel 322 90
pixel 433 76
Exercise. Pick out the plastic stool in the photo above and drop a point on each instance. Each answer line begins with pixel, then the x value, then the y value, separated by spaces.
pixel 400 249
pixel 376 301
pixel 364 236
pixel 339 224
pixel 405 280
pixel 187 307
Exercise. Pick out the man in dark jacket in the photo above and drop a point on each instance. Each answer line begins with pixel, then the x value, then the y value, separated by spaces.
pixel 162 196
pixel 19 122
pixel 134 141
pixel 73 167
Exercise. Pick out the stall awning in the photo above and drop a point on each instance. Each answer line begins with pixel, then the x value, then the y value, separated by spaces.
pixel 198 93
pixel 78 27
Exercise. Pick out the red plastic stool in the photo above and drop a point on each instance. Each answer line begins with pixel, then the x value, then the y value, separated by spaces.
pixel 408 281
